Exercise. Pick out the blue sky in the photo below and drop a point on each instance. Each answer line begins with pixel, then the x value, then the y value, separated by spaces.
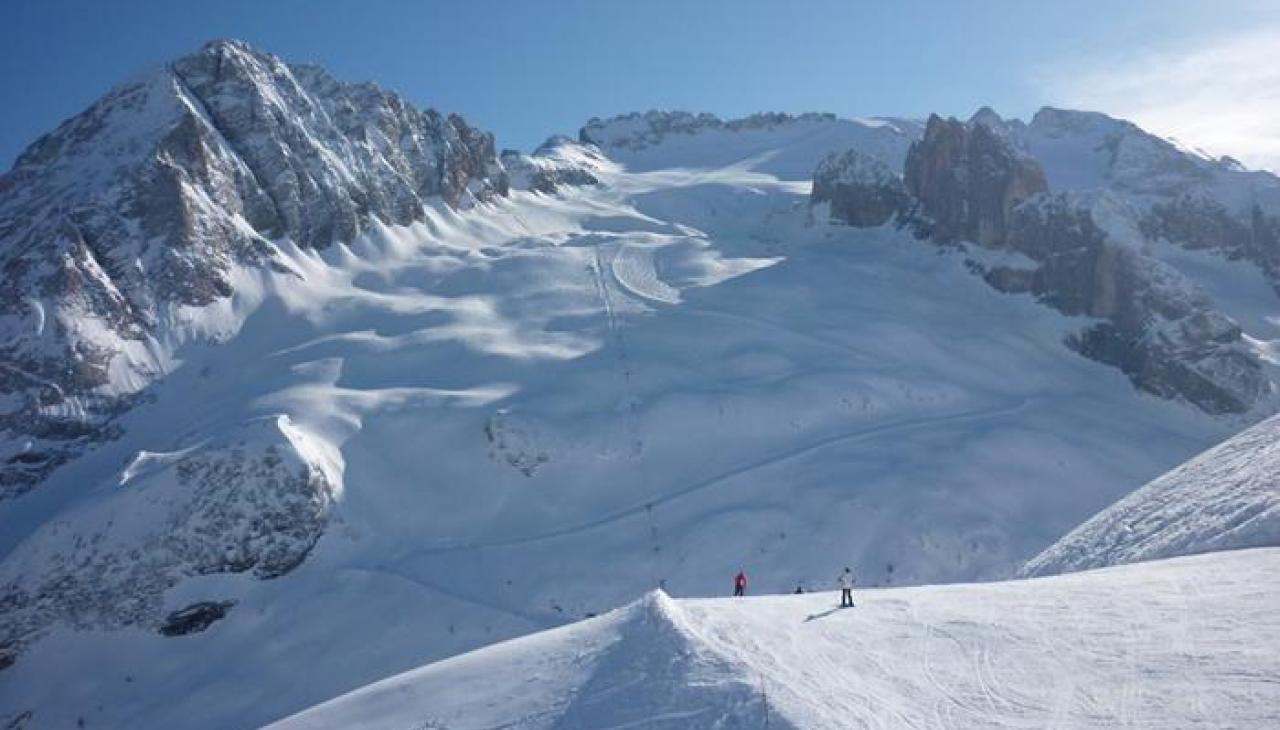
pixel 1205 71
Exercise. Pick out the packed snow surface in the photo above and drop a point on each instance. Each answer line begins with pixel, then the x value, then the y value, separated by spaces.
pixel 1188 642
pixel 1226 498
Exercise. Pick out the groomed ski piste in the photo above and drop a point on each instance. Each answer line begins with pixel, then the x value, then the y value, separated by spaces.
pixel 1165 644
pixel 1227 498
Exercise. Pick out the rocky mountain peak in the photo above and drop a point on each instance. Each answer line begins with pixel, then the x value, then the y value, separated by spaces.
pixel 155 194
pixel 968 178
pixel 987 117
pixel 1050 119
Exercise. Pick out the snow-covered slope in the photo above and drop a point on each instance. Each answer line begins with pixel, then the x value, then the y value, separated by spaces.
pixel 459 415
pixel 1182 643
pixel 1224 499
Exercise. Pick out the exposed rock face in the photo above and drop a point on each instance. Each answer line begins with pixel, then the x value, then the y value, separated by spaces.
pixel 329 155
pixel 152 197
pixel 861 190
pixel 559 162
pixel 1159 328
pixel 250 503
pixel 968 179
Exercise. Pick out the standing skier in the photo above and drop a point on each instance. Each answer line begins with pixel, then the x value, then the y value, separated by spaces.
pixel 740 584
pixel 846 588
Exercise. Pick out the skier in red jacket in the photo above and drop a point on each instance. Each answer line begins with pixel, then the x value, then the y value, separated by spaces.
pixel 740 584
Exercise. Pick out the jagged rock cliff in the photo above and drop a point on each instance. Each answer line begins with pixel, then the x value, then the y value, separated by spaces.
pixel 1158 327
pixel 968 180
pixel 1197 221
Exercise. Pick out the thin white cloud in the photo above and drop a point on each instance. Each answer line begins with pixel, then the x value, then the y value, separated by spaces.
pixel 1220 95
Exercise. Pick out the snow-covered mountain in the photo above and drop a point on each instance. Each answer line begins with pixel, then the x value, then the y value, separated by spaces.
pixel 296 375
pixel 124 228
pixel 1158 645
pixel 1227 498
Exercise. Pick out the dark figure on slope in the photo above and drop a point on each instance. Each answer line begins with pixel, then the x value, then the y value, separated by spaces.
pixel 740 584
pixel 846 588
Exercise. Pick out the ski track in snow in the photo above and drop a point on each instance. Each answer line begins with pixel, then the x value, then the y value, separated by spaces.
pixel 634 268
pixel 437 588
pixel 771 460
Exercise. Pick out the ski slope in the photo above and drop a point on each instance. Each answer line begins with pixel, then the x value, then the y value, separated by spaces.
pixel 1187 642
pixel 1224 499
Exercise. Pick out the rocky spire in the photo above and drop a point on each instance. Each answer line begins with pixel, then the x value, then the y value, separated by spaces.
pixel 968 179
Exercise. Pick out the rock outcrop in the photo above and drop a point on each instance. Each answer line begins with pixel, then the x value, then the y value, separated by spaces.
pixel 1181 196
pixel 968 180
pixel 861 190
pixel 195 618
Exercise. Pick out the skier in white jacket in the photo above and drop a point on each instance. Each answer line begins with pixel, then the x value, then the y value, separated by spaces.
pixel 846 588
